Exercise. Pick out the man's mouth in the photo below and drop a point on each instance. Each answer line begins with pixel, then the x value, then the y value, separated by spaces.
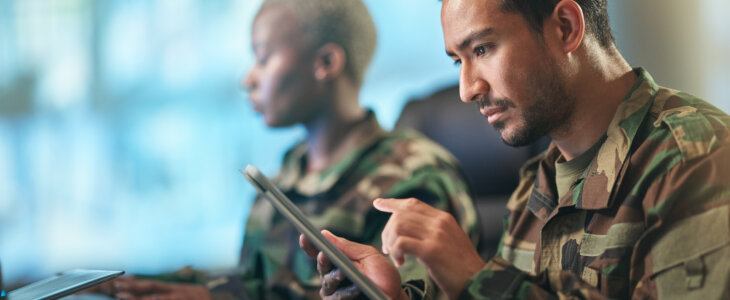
pixel 494 109
pixel 493 113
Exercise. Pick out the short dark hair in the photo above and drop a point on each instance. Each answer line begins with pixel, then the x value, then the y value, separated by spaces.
pixel 595 14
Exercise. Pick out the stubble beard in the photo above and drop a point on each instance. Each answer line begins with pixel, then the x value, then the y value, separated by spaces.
pixel 549 110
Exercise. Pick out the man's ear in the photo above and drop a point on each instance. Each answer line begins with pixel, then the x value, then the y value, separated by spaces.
pixel 329 62
pixel 569 24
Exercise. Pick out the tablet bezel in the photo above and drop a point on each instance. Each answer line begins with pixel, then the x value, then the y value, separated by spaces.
pixel 292 213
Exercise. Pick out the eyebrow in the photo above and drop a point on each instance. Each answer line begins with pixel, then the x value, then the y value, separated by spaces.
pixel 471 38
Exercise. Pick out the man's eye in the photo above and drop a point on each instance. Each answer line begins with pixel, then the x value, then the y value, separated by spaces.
pixel 457 62
pixel 480 50
pixel 483 49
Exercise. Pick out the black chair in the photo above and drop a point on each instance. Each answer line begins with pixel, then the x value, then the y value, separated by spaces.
pixel 491 167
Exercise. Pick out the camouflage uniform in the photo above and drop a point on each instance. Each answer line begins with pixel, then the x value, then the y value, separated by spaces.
pixel 647 219
pixel 398 165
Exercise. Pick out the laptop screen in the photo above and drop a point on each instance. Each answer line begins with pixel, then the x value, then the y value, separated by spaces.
pixel 62 284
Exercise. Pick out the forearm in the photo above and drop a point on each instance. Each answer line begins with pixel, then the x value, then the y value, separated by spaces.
pixel 184 275
pixel 235 287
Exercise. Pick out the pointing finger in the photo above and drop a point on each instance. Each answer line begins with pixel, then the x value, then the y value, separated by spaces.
pixel 404 205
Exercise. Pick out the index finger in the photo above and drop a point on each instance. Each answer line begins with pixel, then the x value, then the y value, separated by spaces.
pixel 398 205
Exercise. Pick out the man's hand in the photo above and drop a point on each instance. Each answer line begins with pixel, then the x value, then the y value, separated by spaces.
pixel 434 238
pixel 366 258
pixel 129 288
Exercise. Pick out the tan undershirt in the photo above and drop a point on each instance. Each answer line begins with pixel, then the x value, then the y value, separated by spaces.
pixel 567 172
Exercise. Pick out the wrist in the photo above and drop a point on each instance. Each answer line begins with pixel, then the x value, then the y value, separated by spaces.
pixel 460 281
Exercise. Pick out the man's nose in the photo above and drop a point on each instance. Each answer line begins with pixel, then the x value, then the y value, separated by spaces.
pixel 472 86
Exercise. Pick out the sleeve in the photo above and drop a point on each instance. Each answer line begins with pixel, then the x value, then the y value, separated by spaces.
pixel 262 268
pixel 247 281
pixel 261 273
pixel 185 275
pixel 685 252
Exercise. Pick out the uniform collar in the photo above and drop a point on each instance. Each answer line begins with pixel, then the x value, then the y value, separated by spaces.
pixel 293 173
pixel 594 189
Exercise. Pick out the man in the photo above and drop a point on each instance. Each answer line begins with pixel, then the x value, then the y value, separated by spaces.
pixel 311 58
pixel 631 199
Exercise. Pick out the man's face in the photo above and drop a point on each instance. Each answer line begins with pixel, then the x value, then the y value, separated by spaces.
pixel 281 84
pixel 506 68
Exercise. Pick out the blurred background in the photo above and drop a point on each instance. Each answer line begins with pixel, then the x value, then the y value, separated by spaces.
pixel 122 124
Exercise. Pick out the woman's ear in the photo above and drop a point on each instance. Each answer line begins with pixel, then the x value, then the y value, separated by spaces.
pixel 329 62
pixel 569 24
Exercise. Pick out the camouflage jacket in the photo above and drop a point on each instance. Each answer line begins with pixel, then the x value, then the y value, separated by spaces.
pixel 399 165
pixel 647 219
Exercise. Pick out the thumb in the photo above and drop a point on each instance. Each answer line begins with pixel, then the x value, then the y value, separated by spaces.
pixel 352 250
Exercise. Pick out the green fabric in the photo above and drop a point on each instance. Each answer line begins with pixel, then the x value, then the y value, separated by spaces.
pixel 618 235
pixel 522 259
pixel 682 241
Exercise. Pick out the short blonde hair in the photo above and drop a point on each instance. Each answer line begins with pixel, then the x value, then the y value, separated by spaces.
pixel 343 22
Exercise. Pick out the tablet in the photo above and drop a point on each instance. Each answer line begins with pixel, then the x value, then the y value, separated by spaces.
pixel 300 221
pixel 63 284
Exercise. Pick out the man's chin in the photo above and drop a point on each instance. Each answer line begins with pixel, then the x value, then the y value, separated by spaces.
pixel 518 138
pixel 505 135
pixel 509 141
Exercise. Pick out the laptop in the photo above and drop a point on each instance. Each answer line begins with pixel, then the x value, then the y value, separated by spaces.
pixel 62 284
